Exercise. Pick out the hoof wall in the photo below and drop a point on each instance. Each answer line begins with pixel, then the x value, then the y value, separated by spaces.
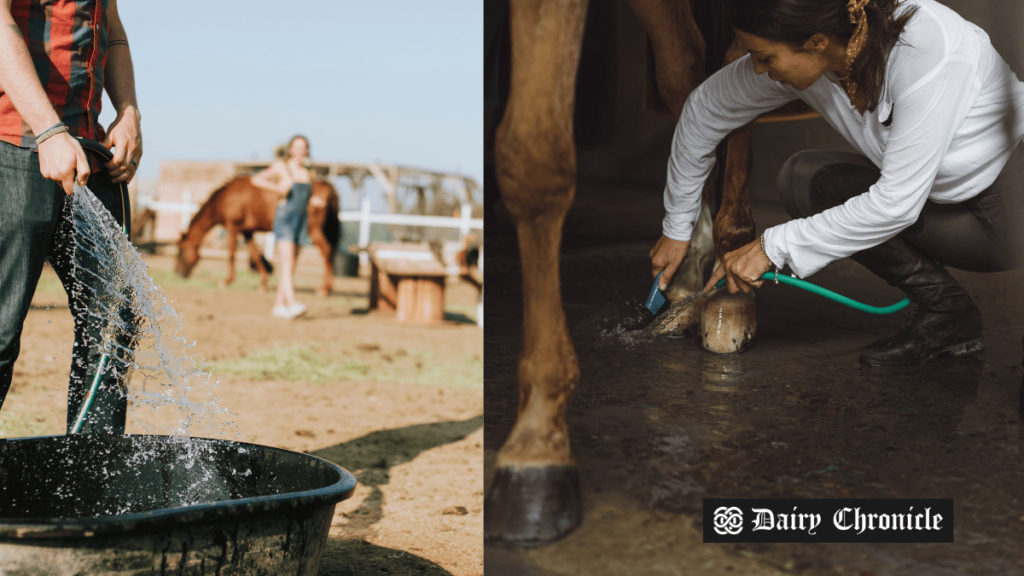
pixel 532 507
pixel 729 322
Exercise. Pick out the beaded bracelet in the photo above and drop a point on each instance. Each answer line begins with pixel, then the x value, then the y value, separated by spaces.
pixel 770 261
pixel 51 131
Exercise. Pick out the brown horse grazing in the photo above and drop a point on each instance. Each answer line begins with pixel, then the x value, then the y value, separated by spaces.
pixel 535 496
pixel 244 208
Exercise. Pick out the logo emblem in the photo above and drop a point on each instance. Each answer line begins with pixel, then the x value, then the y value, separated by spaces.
pixel 728 520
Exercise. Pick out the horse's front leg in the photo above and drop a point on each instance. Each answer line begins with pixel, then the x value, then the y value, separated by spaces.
pixel 232 234
pixel 535 496
pixel 683 317
pixel 256 256
pixel 679 51
pixel 678 48
pixel 730 321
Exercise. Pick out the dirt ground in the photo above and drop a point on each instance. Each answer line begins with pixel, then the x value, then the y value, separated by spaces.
pixel 401 406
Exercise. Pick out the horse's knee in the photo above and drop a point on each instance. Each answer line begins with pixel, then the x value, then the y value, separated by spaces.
pixel 536 167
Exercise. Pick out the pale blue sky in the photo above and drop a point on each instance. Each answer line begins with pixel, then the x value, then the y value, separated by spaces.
pixel 395 81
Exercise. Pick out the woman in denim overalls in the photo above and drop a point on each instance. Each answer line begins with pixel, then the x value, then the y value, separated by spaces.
pixel 292 180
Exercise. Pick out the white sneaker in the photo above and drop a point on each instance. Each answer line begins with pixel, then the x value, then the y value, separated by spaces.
pixel 296 310
pixel 281 312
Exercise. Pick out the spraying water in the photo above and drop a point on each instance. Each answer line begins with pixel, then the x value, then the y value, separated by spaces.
pixel 142 340
pixel 142 335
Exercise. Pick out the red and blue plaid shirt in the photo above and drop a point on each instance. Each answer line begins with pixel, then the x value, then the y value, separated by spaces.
pixel 67 40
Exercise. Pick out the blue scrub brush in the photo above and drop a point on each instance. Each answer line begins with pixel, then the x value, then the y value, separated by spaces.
pixel 655 299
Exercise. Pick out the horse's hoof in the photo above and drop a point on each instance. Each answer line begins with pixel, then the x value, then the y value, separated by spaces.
pixel 323 292
pixel 224 283
pixel 681 319
pixel 532 507
pixel 262 289
pixel 729 322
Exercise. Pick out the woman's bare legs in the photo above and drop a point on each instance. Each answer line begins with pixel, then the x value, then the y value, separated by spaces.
pixel 288 252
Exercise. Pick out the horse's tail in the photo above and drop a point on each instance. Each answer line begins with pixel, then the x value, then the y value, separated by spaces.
pixel 332 224
pixel 266 264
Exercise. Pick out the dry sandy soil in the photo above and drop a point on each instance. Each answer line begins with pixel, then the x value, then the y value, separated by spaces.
pixel 399 405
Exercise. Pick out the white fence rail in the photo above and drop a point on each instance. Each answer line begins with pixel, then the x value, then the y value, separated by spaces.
pixel 364 216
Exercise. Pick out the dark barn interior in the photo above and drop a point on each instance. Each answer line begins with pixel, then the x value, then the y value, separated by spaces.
pixel 658 425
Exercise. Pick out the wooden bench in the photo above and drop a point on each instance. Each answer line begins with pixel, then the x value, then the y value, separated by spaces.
pixel 408 281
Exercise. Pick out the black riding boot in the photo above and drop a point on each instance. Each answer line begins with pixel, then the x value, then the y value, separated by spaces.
pixel 946 321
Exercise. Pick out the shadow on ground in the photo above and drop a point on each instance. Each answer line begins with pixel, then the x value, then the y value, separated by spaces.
pixel 358 558
pixel 371 457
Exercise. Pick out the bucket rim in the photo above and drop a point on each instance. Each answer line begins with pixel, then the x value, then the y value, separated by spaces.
pixel 180 516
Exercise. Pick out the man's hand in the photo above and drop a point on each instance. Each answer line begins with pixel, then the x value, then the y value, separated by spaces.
pixel 742 269
pixel 125 137
pixel 667 255
pixel 60 157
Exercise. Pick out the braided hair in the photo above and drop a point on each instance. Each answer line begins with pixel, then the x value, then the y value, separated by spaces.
pixel 870 29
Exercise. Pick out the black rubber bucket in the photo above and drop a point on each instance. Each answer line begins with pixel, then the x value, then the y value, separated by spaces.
pixel 87 504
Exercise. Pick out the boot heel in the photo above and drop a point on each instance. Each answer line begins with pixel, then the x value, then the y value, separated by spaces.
pixel 965 349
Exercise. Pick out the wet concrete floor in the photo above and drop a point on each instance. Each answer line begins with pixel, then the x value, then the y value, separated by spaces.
pixel 658 425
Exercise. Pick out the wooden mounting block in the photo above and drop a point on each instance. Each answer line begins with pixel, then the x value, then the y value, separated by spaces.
pixel 407 281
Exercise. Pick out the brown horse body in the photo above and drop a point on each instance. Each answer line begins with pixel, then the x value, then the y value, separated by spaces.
pixel 242 207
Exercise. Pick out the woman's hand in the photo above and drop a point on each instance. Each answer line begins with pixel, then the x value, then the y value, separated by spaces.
pixel 667 255
pixel 742 268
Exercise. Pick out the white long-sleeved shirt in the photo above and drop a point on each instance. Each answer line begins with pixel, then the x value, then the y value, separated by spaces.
pixel 957 113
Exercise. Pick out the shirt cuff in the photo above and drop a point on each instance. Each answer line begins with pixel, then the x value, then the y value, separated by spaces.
pixel 772 246
pixel 677 227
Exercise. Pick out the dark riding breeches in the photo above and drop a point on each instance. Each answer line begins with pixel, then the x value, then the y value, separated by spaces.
pixel 982 234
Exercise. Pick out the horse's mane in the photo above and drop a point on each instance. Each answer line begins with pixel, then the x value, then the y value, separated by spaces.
pixel 225 186
pixel 208 204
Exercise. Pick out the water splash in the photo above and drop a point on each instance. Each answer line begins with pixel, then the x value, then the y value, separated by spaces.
pixel 141 339
pixel 645 329
pixel 142 335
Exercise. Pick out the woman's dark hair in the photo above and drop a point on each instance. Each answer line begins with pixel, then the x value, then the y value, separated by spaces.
pixel 793 22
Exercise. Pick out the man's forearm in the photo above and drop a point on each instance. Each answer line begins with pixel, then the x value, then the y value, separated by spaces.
pixel 119 72
pixel 18 78
pixel 120 78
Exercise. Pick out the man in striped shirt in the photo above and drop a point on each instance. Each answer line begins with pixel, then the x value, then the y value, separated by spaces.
pixel 56 58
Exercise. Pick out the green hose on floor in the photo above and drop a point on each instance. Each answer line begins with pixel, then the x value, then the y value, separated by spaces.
pixel 814 288
pixel 655 299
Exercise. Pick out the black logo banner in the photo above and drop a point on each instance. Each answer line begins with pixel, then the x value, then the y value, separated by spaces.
pixel 828 520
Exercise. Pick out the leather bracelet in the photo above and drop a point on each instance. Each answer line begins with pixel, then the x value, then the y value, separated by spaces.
pixel 50 132
pixel 770 261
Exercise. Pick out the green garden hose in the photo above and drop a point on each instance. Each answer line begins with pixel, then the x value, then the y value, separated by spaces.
pixel 814 288
pixel 87 403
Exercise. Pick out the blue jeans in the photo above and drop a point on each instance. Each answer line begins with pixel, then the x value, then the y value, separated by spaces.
pixel 32 229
